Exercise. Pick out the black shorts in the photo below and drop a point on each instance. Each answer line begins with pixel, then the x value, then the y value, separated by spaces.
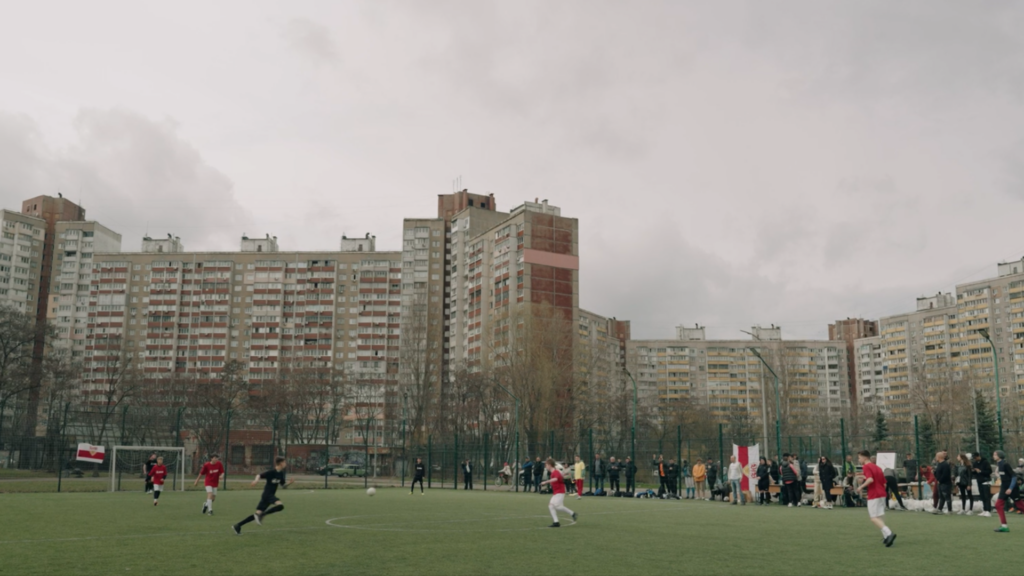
pixel 267 502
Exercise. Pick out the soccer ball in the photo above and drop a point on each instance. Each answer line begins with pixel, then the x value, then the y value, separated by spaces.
pixel 371 491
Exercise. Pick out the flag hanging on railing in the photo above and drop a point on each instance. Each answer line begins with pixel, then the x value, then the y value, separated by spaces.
pixel 748 457
pixel 90 453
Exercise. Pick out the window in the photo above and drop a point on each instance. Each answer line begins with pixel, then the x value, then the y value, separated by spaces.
pixel 263 455
pixel 238 455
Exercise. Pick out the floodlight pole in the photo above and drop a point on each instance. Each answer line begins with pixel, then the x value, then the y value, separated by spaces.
pixel 999 402
pixel 778 426
pixel 632 434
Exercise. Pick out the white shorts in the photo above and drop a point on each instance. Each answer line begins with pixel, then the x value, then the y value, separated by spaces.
pixel 557 500
pixel 876 507
pixel 158 487
pixel 211 490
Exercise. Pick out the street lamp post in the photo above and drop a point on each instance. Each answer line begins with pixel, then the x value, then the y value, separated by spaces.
pixel 632 434
pixel 999 402
pixel 405 457
pixel 778 426
pixel 518 464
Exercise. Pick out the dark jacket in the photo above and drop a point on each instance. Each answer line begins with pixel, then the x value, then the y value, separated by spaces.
pixel 599 469
pixel 613 470
pixel 467 469
pixel 672 471
pixel 712 474
pixel 420 470
pixel 963 475
pixel 827 473
pixel 773 470
pixel 538 469
pixel 983 471
pixel 944 474
pixel 788 473
pixel 629 469
pixel 763 475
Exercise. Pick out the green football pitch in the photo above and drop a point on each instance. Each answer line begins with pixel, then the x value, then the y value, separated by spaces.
pixel 448 532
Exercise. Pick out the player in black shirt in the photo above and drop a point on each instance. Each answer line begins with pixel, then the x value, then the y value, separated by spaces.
pixel 269 502
pixel 1008 489
pixel 146 469
pixel 421 471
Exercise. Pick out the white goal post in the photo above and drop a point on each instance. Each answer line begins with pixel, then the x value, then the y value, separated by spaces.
pixel 131 459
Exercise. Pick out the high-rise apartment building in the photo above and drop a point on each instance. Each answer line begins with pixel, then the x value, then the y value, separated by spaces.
pixel 726 377
pixel 849 331
pixel 21 260
pixel 870 385
pixel 188 314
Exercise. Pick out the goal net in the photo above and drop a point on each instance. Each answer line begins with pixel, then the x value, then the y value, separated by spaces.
pixel 128 467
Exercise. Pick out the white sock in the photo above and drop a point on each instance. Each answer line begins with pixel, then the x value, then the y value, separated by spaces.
pixel 209 504
pixel 554 515
pixel 886 532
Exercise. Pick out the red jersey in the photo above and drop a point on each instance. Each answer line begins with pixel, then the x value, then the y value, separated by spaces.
pixel 213 472
pixel 877 488
pixel 558 482
pixel 158 474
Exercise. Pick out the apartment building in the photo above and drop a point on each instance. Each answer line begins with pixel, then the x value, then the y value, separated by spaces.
pixel 726 377
pixel 189 313
pixel 75 244
pixel 51 210
pixel 21 260
pixel 601 357
pixel 848 331
pixel 870 385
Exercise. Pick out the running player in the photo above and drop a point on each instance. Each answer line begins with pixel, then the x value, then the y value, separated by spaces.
pixel 420 471
pixel 146 468
pixel 557 503
pixel 269 503
pixel 1008 488
pixel 157 474
pixel 212 470
pixel 874 481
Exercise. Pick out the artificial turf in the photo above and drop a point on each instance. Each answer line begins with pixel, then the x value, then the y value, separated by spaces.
pixel 448 532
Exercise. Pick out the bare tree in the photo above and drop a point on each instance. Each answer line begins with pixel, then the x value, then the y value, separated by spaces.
pixel 18 334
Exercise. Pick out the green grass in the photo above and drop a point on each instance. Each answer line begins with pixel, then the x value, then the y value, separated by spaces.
pixel 450 533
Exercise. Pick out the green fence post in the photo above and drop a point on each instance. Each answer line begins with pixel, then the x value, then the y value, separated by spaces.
pixel 60 448
pixel 842 438
pixel 591 475
pixel 124 415
pixel 327 471
pixel 679 446
pixel 455 483
pixel 917 456
pixel 485 461
pixel 721 450
pixel 430 460
pixel 227 450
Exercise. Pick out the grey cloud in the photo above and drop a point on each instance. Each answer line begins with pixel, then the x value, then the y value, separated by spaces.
pixel 126 170
pixel 312 40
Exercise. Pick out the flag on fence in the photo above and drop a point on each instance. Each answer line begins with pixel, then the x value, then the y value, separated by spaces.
pixel 747 456
pixel 90 453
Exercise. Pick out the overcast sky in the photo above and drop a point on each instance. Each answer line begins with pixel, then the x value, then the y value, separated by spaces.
pixel 730 163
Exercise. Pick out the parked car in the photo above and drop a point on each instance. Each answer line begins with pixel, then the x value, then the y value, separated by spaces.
pixel 342 470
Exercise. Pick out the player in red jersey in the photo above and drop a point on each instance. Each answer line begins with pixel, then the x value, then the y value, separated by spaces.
pixel 874 481
pixel 557 503
pixel 212 470
pixel 157 475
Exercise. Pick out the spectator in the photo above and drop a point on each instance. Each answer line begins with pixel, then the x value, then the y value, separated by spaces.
pixel 672 478
pixel 851 495
pixel 802 474
pixel 910 468
pixel 892 485
pixel 790 483
pixel 505 474
pixel 629 469
pixel 712 472
pixel 963 484
pixel 735 481
pixel 662 476
pixel 929 478
pixel 848 466
pixel 687 479
pixel 827 474
pixel 700 477
pixel 763 480
pixel 570 484
pixel 538 474
pixel 613 475
pixel 579 475
pixel 818 497
pixel 983 474
pixel 598 473
pixel 467 475
pixel 944 478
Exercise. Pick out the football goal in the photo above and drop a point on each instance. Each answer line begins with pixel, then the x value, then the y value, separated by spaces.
pixel 128 467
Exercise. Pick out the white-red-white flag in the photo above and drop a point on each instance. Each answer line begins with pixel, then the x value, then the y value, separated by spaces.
pixel 748 457
pixel 90 453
